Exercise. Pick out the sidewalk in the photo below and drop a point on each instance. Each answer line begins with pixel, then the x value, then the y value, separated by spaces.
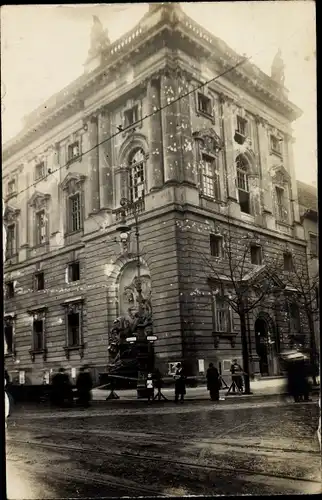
pixel 259 388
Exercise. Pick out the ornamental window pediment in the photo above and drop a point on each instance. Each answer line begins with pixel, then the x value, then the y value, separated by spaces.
pixel 210 142
pixel 10 214
pixel 280 176
pixel 72 183
pixel 39 200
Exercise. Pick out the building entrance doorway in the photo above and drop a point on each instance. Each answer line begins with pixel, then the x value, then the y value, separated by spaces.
pixel 266 347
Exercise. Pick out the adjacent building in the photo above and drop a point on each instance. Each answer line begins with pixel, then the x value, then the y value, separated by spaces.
pixel 199 154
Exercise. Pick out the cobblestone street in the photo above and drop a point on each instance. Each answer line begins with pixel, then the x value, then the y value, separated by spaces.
pixel 249 447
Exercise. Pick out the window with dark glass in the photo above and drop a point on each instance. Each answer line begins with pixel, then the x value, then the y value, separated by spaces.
pixel 137 175
pixel 256 255
pixel 73 328
pixel 223 318
pixel 131 116
pixel 10 290
pixel 210 185
pixel 215 245
pixel 11 241
pixel 39 281
pixel 41 227
pixel 242 184
pixel 40 171
pixel 38 333
pixel 313 245
pixel 73 151
pixel 281 204
pixel 8 336
pixel 288 262
pixel 75 211
pixel 73 272
pixel 241 125
pixel 204 104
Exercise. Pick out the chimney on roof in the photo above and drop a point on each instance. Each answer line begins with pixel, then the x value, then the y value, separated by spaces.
pixel 277 69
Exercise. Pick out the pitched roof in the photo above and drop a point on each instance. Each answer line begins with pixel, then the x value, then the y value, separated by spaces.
pixel 307 197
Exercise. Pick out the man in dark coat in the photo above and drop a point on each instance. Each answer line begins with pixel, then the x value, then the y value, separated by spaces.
pixel 213 383
pixel 180 383
pixel 61 388
pixel 84 385
pixel 236 375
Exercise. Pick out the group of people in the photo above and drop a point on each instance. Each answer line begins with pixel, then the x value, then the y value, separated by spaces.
pixel 62 393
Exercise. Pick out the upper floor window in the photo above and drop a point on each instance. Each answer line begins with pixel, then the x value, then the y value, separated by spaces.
pixel 281 210
pixel 41 227
pixel 73 151
pixel 11 187
pixel 276 144
pixel 242 168
pixel 73 325
pixel 38 331
pixel 295 318
pixel 256 255
pixel 137 175
pixel 10 290
pixel 73 271
pixel 40 171
pixel 8 335
pixel 288 261
pixel 215 245
pixel 131 116
pixel 313 245
pixel 222 315
pixel 75 212
pixel 210 185
pixel 11 241
pixel 204 104
pixel 241 125
pixel 39 281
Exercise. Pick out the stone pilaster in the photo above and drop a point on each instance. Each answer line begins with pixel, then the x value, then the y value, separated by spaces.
pixel 155 176
pixel 23 239
pixel 171 146
pixel 105 160
pixel 93 164
pixel 121 184
pixel 184 132
pixel 57 205
pixel 228 130
pixel 263 154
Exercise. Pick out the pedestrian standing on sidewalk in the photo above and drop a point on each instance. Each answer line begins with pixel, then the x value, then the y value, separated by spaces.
pixel 84 385
pixel 149 387
pixel 61 388
pixel 180 383
pixel 158 383
pixel 213 382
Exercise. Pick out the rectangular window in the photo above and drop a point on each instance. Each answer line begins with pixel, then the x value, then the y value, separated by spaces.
pixel 40 171
pixel 241 125
pixel 131 116
pixel 223 321
pixel 75 211
pixel 41 228
pixel 244 202
pixel 256 255
pixel 11 187
pixel 215 245
pixel 313 245
pixel 39 281
pixel 73 151
pixel 276 144
pixel 204 104
pixel 11 241
pixel 288 262
pixel 73 272
pixel 137 181
pixel 10 290
pixel 73 328
pixel 38 333
pixel 280 204
pixel 210 177
pixel 8 335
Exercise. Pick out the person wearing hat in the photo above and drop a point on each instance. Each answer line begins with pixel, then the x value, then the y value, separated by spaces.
pixel 180 383
pixel 149 387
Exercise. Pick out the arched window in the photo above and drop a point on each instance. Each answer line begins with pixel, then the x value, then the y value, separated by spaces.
pixel 295 319
pixel 137 176
pixel 242 168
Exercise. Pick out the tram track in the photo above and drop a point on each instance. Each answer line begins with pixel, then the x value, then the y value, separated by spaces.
pixel 152 457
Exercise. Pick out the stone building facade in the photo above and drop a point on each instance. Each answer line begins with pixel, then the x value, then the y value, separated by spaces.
pixel 221 154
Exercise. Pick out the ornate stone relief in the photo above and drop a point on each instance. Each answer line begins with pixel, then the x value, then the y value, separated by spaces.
pixel 210 141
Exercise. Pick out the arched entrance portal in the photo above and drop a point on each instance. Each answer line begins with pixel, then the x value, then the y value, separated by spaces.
pixel 266 347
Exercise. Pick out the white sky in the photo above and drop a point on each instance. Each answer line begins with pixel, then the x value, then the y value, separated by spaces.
pixel 43 49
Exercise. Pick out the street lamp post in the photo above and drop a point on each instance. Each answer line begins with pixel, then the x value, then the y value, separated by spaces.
pixel 139 337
